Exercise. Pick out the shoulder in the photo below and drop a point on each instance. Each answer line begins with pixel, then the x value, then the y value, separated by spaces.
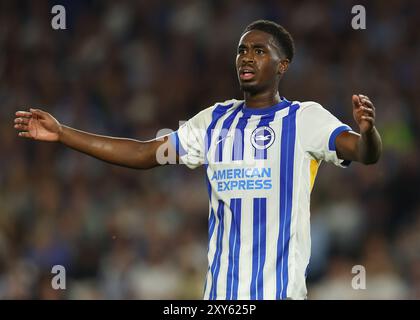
pixel 308 106
pixel 219 108
pixel 226 106
pixel 311 110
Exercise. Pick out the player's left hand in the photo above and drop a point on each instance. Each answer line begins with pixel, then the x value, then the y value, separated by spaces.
pixel 363 112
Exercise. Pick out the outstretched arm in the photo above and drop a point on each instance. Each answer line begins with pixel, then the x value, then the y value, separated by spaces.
pixel 40 125
pixel 365 147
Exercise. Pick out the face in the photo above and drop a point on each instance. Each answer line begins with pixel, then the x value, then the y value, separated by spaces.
pixel 259 62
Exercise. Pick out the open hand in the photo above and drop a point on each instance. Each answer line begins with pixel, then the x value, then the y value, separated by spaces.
pixel 38 125
pixel 363 112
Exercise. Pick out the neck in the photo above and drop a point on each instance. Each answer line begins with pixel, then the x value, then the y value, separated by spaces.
pixel 261 100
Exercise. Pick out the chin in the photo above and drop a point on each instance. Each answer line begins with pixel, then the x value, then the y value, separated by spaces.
pixel 248 87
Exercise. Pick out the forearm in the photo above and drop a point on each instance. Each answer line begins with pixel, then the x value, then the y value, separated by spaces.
pixel 369 147
pixel 120 151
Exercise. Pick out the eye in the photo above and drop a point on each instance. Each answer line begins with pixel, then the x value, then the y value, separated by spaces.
pixel 241 51
pixel 259 51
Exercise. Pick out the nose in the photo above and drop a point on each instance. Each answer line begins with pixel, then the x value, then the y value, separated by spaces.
pixel 247 58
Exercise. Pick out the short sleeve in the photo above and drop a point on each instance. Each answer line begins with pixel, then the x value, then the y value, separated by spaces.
pixel 188 140
pixel 318 130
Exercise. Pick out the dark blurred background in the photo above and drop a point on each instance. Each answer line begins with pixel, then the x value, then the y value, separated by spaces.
pixel 131 68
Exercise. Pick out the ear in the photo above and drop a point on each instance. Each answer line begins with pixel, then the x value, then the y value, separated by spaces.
pixel 283 66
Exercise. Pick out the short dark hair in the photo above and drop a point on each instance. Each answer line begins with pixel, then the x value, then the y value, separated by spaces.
pixel 280 34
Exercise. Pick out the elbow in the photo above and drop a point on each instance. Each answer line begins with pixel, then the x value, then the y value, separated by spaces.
pixel 371 160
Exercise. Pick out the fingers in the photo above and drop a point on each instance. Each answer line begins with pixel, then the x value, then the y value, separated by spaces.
pixel 22 127
pixel 22 120
pixel 363 112
pixel 37 112
pixel 356 100
pixel 29 113
pixel 21 123
pixel 23 114
pixel 368 111
pixel 360 99
pixel 363 103
pixel 24 134
pixel 369 119
pixel 366 101
pixel 367 107
pixel 41 114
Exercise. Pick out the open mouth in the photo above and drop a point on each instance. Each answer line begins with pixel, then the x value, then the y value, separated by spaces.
pixel 246 74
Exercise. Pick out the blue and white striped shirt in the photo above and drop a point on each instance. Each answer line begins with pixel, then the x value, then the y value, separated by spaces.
pixel 261 165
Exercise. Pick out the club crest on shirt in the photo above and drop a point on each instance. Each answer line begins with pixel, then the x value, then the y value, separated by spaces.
pixel 262 137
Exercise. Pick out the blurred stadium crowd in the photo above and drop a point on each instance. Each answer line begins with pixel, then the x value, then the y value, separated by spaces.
pixel 131 68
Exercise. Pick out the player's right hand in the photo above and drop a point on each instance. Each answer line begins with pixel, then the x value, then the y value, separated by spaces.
pixel 38 125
